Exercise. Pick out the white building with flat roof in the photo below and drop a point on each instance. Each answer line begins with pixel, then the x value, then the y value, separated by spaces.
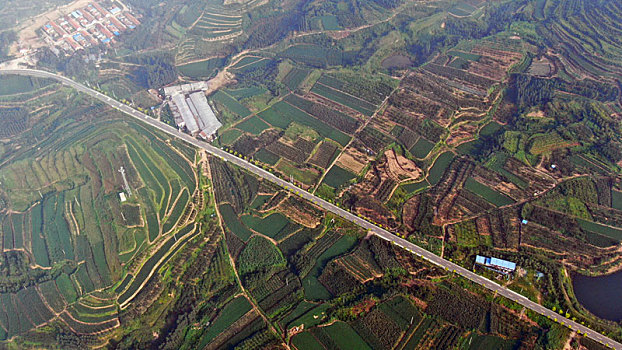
pixel 185 88
pixel 186 114
pixel 191 109
pixel 208 123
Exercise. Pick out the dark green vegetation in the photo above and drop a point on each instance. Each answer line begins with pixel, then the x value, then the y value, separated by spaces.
pixel 201 69
pixel 487 193
pixel 337 177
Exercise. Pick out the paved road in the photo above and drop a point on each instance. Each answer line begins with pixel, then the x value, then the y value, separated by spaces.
pixel 433 258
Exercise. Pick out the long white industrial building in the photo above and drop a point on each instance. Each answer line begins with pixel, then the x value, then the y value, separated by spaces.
pixel 192 110
pixel 208 123
pixel 188 119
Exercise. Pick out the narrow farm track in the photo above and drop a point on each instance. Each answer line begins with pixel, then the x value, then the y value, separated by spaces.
pixel 372 228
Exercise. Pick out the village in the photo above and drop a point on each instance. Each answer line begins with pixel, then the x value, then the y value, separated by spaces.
pixel 95 24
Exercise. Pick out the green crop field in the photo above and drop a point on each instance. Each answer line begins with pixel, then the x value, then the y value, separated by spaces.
pixel 344 336
pixel 616 199
pixel 265 156
pixel 15 84
pixel 270 226
pixel 253 125
pixel 497 198
pixel 421 148
pixel 466 55
pixel 490 129
pixel 148 267
pixel 39 249
pixel 126 281
pixel 401 311
pixel 330 22
pixel 274 118
pixel 66 288
pixel 314 290
pixel 608 231
pixel 247 92
pixel 311 317
pixel 308 177
pixel 229 136
pixel 419 333
pixel 313 55
pixel 178 209
pixel 295 77
pixel 415 187
pixel 482 342
pixel 306 341
pixel 201 69
pixel 356 104
pixel 233 223
pixel 300 310
pixel 282 114
pixel 462 9
pixel 496 164
pixel 231 104
pixel 235 309
pixel 246 60
pixel 437 170
pixel 337 177
pixel 258 64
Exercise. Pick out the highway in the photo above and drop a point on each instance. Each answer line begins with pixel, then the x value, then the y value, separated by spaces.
pixel 386 235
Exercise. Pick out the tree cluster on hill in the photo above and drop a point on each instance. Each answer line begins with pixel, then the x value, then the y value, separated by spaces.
pixel 14 120
pixel 75 65
pixel 6 39
pixel 154 70
pixel 388 3
pixel 496 18
pixel 527 91
pixel 269 30
pixel 583 121
pixel 266 74
pixel 16 271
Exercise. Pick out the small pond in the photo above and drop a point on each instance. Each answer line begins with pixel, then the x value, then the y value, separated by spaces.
pixel 601 295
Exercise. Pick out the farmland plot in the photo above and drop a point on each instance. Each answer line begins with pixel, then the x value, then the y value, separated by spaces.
pixel 282 114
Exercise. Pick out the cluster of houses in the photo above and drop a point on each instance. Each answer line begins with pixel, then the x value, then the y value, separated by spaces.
pixel 95 24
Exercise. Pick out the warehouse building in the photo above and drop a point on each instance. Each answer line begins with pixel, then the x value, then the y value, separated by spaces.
pixel 187 119
pixel 191 110
pixel 185 88
pixel 208 123
pixel 499 265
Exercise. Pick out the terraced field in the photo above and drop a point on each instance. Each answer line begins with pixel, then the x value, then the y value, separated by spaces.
pixel 64 194
pixel 215 25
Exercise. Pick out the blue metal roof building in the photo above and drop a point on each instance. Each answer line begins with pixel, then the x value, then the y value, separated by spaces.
pixel 496 264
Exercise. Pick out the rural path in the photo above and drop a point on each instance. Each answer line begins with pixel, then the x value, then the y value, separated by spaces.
pixel 372 228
